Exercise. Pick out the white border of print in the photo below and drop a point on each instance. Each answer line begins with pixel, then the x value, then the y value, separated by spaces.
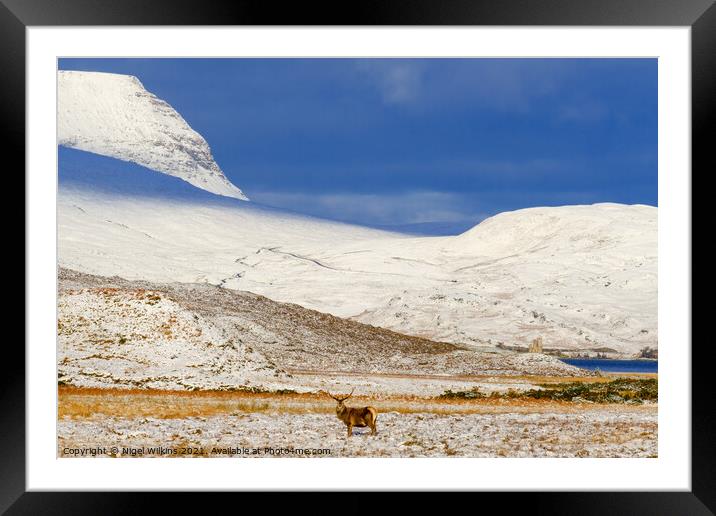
pixel 670 471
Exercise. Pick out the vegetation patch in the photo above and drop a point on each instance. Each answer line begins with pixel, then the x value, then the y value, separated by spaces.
pixel 258 390
pixel 621 390
pixel 464 395
pixel 648 352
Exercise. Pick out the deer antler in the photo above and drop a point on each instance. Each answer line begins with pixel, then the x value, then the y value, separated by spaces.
pixel 336 397
pixel 331 395
pixel 351 394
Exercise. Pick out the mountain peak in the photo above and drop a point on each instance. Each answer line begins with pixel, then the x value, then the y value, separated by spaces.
pixel 114 115
pixel 570 228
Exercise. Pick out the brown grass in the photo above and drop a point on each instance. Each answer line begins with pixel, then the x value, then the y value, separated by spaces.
pixel 81 403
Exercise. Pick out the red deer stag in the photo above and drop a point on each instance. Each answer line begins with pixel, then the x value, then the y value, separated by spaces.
pixel 352 416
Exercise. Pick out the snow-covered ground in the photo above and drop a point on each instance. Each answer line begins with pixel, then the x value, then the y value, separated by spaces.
pixel 113 115
pixel 603 432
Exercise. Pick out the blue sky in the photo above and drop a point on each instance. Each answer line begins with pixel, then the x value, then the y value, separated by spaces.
pixel 408 141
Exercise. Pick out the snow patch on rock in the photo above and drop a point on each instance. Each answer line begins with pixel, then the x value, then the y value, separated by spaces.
pixel 142 338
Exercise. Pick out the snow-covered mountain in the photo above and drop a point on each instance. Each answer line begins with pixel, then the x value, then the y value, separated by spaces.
pixel 113 115
pixel 580 277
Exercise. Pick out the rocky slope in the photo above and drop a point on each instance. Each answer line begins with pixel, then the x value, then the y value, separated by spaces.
pixel 119 333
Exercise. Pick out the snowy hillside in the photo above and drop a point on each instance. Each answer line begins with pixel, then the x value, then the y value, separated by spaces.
pixel 117 333
pixel 113 115
pixel 580 277
pixel 142 338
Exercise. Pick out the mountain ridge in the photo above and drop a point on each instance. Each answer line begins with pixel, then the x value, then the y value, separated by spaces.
pixel 114 115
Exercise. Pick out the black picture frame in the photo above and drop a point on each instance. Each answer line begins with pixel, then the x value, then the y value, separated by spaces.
pixel 700 15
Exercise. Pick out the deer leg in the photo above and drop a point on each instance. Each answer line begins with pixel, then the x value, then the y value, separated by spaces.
pixel 350 430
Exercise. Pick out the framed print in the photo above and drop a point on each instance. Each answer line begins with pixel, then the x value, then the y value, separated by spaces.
pixel 402 251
